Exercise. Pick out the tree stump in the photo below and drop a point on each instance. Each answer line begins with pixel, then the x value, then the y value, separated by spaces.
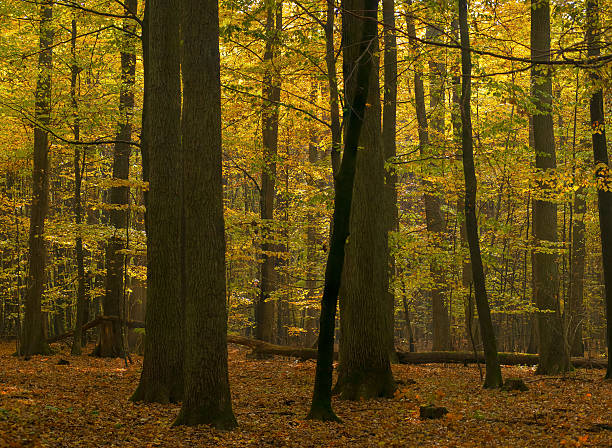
pixel 432 412
pixel 515 384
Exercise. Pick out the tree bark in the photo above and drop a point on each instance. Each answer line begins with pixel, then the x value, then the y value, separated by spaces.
pixel 269 130
pixel 79 338
pixel 390 150
pixel 578 259
pixel 436 223
pixel 207 391
pixel 356 102
pixel 553 351
pixel 365 308
pixel 312 235
pixel 434 218
pixel 493 377
pixel 602 167
pixel 161 379
pixel 332 79
pixel 111 343
pixel 34 335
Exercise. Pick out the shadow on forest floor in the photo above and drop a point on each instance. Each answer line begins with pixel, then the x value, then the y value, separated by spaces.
pixel 84 403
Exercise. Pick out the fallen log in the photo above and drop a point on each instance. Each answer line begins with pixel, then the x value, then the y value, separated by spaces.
pixel 304 353
pixel 273 349
pixel 94 323
pixel 509 359
pixel 505 358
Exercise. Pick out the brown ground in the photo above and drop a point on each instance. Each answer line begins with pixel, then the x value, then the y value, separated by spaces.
pixel 84 404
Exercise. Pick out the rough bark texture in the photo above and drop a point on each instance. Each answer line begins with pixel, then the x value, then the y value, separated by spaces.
pixel 207 392
pixel 390 150
pixel 34 335
pixel 553 351
pixel 161 379
pixel 356 102
pixel 269 131
pixel 111 344
pixel 365 309
pixel 79 167
pixel 493 377
pixel 602 166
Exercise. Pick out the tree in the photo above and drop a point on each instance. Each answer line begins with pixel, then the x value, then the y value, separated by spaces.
pixel 111 342
pixel 207 393
pixel 602 166
pixel 434 218
pixel 576 281
pixel 364 370
pixel 161 379
pixel 33 340
pixel 493 377
pixel 269 132
pixel 321 408
pixel 554 356
pixel 389 128
pixel 79 167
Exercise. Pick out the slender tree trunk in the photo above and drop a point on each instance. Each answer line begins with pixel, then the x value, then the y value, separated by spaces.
pixel 364 370
pixel 554 356
pixel 493 377
pixel 434 217
pixel 161 379
pixel 269 131
pixel 312 235
pixel 578 258
pixel 436 224
pixel 602 167
pixel 356 101
pixel 110 344
pixel 332 78
pixel 389 148
pixel 78 340
pixel 34 336
pixel 207 390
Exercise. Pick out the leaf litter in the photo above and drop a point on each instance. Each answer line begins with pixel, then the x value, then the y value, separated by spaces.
pixel 85 404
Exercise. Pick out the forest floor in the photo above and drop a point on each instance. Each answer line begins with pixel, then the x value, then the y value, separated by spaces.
pixel 85 404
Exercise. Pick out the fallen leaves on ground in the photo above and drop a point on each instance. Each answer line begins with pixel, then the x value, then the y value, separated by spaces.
pixel 85 404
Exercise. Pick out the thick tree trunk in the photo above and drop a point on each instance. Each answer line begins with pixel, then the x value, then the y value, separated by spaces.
pixel 207 391
pixel 493 377
pixel 161 379
pixel 33 338
pixel 365 308
pixel 389 151
pixel 553 348
pixel 79 338
pixel 356 102
pixel 111 343
pixel 602 166
pixel 269 131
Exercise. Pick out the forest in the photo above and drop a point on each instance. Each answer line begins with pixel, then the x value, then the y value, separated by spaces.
pixel 304 223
